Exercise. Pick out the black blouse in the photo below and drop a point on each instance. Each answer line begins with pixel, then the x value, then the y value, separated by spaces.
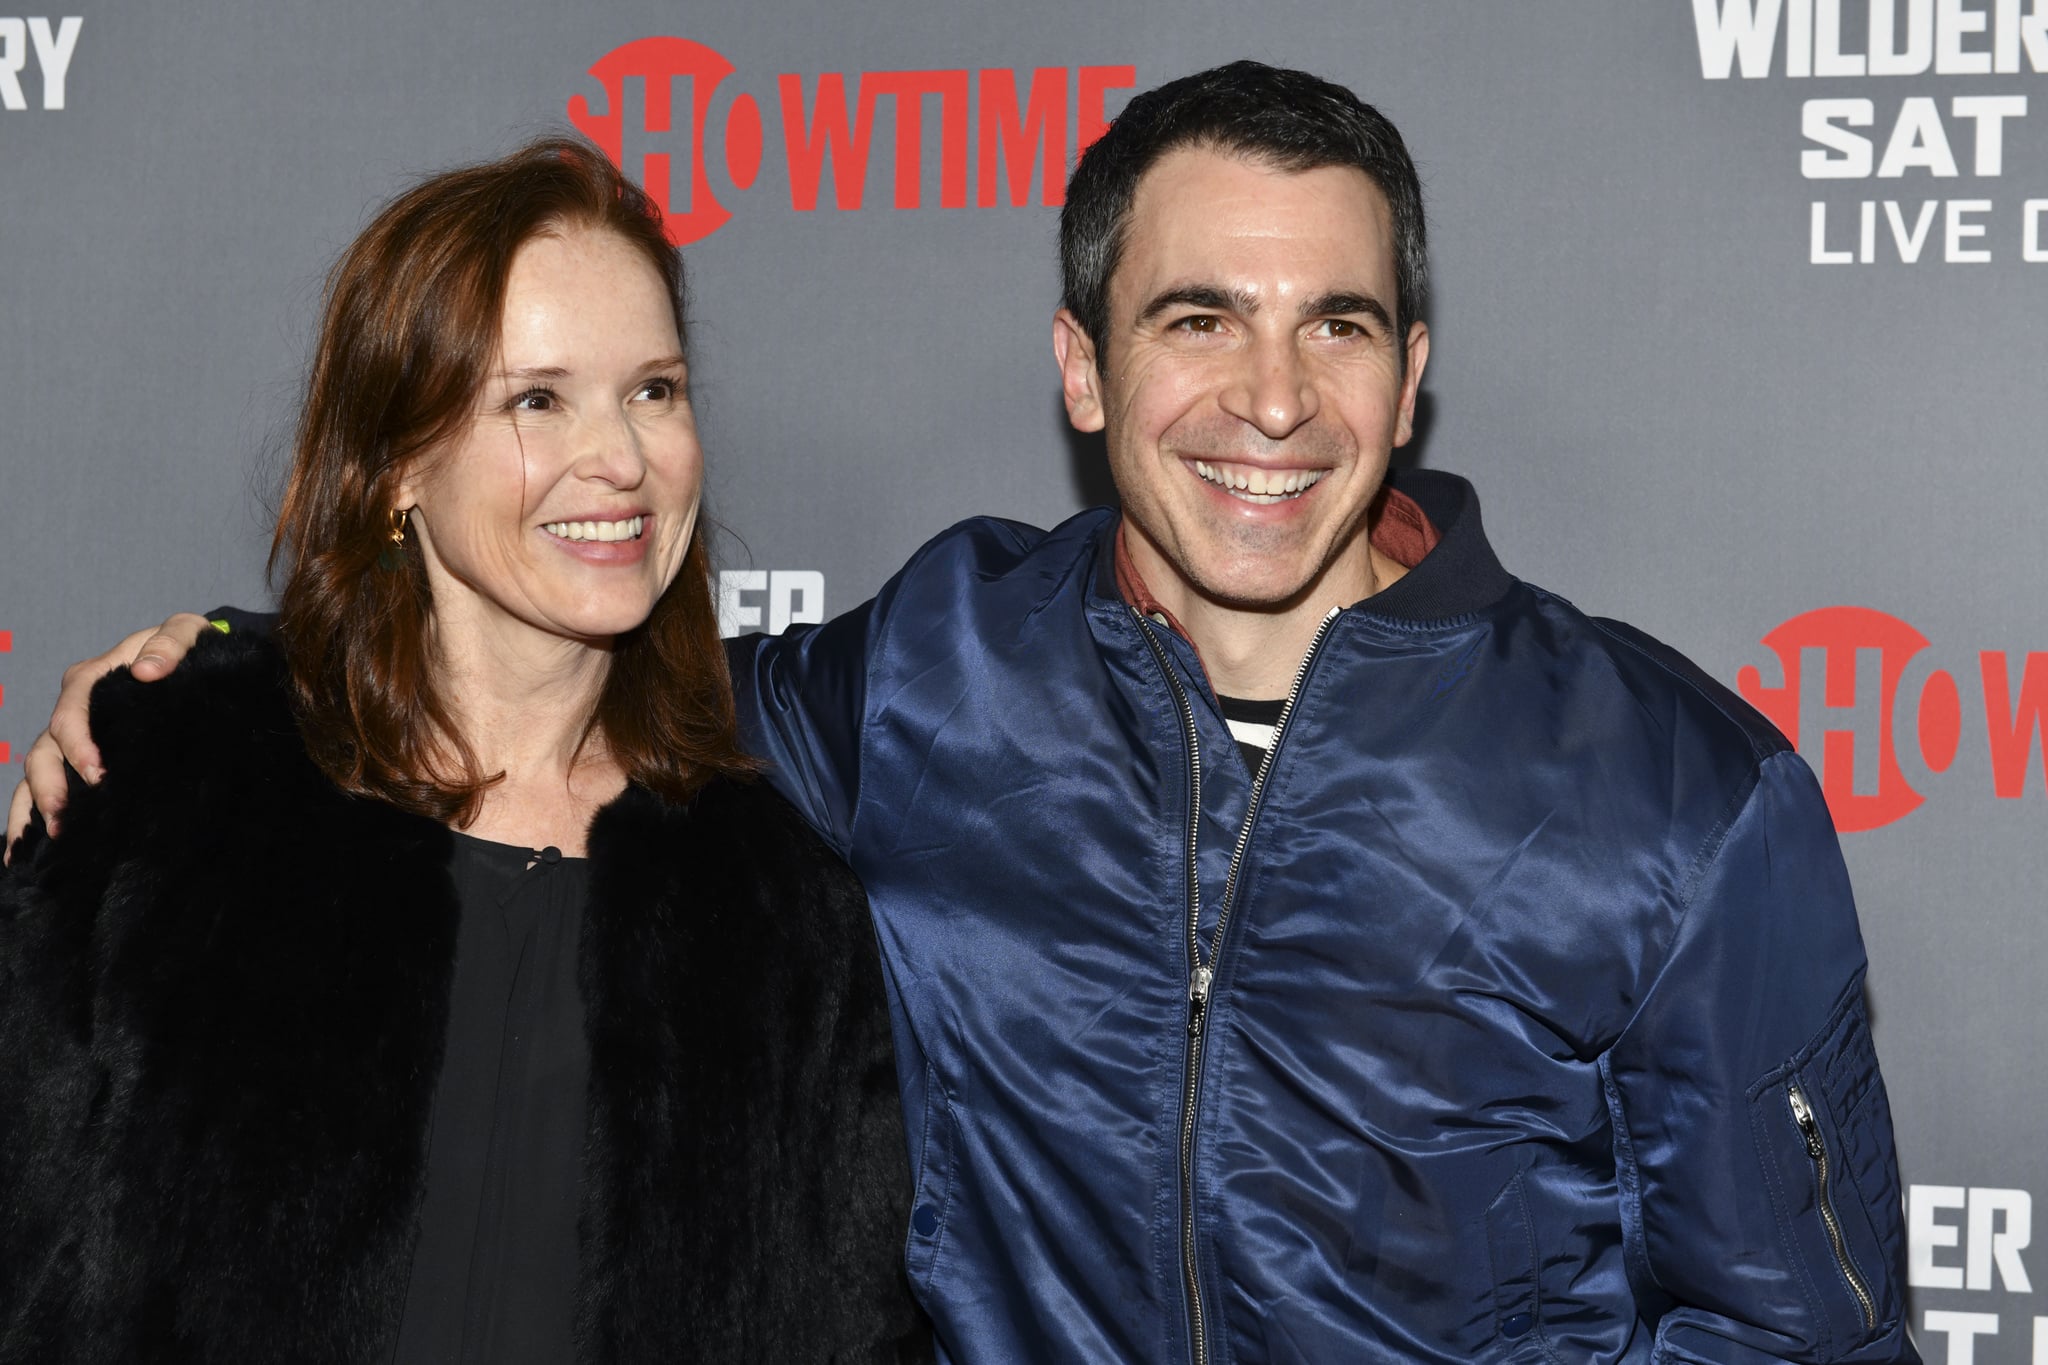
pixel 494 1267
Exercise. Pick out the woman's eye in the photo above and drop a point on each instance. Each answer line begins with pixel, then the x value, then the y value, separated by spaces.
pixel 534 400
pixel 660 390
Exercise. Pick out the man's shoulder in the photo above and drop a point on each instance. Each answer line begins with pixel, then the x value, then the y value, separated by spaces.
pixel 1000 544
pixel 994 558
pixel 1658 688
pixel 1655 659
pixel 1626 680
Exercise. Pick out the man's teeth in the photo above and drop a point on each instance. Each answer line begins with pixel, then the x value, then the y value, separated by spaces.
pixel 1260 485
pixel 629 529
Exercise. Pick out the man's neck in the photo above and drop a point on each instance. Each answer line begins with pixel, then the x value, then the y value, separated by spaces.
pixel 1254 654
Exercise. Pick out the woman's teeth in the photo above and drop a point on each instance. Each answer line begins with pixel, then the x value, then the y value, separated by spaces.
pixel 629 529
pixel 1260 485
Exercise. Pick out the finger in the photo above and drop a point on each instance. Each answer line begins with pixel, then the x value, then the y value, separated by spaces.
pixel 44 781
pixel 17 821
pixel 70 729
pixel 166 647
pixel 70 724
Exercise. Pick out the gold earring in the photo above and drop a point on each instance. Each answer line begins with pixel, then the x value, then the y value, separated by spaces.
pixel 392 557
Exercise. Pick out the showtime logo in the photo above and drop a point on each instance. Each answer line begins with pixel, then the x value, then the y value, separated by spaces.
pixel 6 647
pixel 660 111
pixel 1880 722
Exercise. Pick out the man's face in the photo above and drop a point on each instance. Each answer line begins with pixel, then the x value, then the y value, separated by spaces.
pixel 1253 387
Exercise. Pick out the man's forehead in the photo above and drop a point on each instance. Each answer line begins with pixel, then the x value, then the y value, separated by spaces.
pixel 1195 205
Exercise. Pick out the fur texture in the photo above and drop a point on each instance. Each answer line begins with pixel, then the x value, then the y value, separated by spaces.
pixel 223 995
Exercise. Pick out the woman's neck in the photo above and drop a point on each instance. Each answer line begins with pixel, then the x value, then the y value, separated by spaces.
pixel 522 701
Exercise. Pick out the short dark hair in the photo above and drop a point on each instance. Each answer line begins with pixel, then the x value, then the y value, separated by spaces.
pixel 410 327
pixel 1287 119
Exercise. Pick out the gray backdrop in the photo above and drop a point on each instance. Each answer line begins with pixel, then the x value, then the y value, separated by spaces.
pixel 1689 397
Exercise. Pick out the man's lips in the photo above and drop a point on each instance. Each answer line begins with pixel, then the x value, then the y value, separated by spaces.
pixel 1257 484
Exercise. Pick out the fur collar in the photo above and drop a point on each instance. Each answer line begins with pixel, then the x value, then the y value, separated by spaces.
pixel 228 983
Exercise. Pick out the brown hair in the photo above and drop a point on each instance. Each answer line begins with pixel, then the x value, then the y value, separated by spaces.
pixel 410 325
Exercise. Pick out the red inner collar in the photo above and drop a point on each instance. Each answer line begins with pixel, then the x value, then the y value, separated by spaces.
pixel 1398 529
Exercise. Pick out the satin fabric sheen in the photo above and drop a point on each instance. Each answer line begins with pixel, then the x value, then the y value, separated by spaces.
pixel 1533 923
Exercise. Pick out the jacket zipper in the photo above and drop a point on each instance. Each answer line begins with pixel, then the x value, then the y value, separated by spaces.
pixel 1203 974
pixel 1817 1150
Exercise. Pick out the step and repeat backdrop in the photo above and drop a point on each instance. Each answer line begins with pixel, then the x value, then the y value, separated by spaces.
pixel 1739 328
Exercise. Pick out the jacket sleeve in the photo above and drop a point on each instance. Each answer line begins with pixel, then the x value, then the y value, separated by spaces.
pixel 1753 1140
pixel 802 697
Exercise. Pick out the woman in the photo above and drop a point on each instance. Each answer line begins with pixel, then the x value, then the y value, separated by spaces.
pixel 431 983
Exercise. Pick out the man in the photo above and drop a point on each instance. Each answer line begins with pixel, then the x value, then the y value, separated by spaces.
pixel 1308 942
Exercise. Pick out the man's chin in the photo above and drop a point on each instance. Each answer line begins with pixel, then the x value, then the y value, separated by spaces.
pixel 1261 589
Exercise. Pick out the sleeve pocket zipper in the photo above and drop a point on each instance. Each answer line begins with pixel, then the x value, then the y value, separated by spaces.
pixel 1817 1150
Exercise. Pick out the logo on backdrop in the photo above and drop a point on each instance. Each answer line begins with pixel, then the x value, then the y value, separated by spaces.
pixel 768 599
pixel 40 44
pixel 663 112
pixel 1867 704
pixel 1972 1239
pixel 1946 155
pixel 6 647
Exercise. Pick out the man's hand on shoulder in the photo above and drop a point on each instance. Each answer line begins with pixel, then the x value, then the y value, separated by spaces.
pixel 149 654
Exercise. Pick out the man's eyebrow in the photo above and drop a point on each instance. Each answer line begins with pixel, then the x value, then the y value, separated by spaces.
pixel 1341 301
pixel 1199 296
pixel 1333 304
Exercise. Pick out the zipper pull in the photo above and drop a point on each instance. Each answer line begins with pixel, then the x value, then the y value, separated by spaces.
pixel 1802 1114
pixel 1198 997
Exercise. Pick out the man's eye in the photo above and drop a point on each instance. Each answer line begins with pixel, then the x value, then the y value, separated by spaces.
pixel 1342 327
pixel 1206 324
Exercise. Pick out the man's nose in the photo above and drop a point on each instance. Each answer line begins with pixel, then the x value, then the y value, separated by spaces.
pixel 1273 388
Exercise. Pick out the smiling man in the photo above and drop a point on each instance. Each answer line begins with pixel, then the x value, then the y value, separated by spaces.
pixel 1308 942
pixel 1313 944
pixel 1251 382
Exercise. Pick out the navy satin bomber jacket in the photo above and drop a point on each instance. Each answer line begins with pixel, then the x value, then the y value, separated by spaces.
pixel 1516 1014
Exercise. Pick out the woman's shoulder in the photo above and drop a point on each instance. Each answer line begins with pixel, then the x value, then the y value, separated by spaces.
pixel 206 758
pixel 227 705
pixel 743 818
pixel 735 843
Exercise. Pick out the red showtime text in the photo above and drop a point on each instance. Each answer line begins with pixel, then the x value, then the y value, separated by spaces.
pixel 6 647
pixel 669 121
pixel 1865 702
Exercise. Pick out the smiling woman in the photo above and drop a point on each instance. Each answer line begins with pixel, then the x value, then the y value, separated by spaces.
pixel 454 995
pixel 502 351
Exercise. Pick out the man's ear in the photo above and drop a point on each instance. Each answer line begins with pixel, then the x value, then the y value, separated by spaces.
pixel 1411 381
pixel 1080 381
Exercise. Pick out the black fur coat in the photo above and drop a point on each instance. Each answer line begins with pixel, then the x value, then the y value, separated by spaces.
pixel 223 994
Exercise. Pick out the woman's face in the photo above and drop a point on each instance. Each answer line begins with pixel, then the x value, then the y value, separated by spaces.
pixel 566 506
